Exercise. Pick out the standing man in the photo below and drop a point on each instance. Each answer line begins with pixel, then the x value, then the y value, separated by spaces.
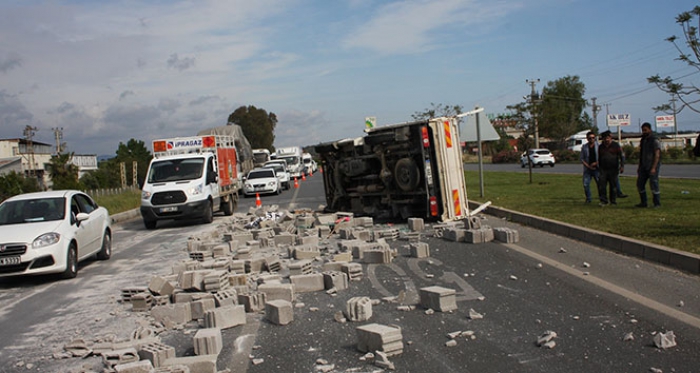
pixel 611 161
pixel 589 158
pixel 649 164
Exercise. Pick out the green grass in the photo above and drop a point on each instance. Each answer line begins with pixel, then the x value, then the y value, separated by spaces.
pixel 560 197
pixel 117 203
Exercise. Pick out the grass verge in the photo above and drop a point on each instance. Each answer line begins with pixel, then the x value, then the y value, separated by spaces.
pixel 560 197
pixel 117 203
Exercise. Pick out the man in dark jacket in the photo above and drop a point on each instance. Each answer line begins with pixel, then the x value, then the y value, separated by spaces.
pixel 589 159
pixel 649 164
pixel 610 163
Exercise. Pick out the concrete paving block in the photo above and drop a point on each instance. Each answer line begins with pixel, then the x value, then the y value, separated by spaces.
pixel 377 256
pixel 134 367
pixel 243 253
pixel 438 298
pixel 332 266
pixel 127 293
pixel 307 283
pixel 192 280
pixel 208 341
pixel 225 317
pixel 419 249
pixel 160 286
pixel 121 356
pixel 252 301
pixel 353 270
pixel 200 306
pixel 454 234
pixel 377 337
pixel 216 281
pixel 307 240
pixel 273 264
pixel 179 313
pixel 195 364
pixel 277 291
pixel 358 309
pixel 342 257
pixel 141 302
pixel 507 235
pixel 238 266
pixel 279 312
pixel 305 252
pixel 228 297
pixel 416 224
pixel 300 267
pixel 335 280
pixel 285 238
pixel 363 221
pixel 156 353
pixel 221 250
pixel 481 235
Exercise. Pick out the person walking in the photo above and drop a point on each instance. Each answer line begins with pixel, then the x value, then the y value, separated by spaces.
pixel 610 164
pixel 649 164
pixel 589 159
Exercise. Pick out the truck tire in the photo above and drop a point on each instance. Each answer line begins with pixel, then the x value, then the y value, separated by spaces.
pixel 227 206
pixel 150 224
pixel 208 216
pixel 406 174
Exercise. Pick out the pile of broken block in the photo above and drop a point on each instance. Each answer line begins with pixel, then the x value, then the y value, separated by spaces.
pixel 256 263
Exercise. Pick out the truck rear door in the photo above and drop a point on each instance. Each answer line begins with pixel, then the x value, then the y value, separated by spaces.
pixel 450 170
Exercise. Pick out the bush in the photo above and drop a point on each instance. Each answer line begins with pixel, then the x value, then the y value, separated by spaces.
pixel 673 153
pixel 566 155
pixel 506 156
pixel 631 153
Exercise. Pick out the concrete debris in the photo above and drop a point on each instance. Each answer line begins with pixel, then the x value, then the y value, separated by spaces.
pixel 339 317
pixel 258 361
pixel 586 265
pixel 451 343
pixel 381 360
pixel 655 370
pixel 77 348
pixel 406 308
pixel 562 250
pixel 325 368
pixel 628 337
pixel 513 277
pixel 546 337
pixel 473 315
pixel 454 335
pixel 665 340
pixel 681 304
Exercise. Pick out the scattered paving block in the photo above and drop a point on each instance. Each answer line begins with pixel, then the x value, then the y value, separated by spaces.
pixel 208 341
pixel 285 238
pixel 253 245
pixel 377 256
pixel 254 265
pixel 141 302
pixel 238 266
pixel 304 221
pixel 156 353
pixel 363 221
pixel 216 281
pixel 238 279
pixel 438 298
pixel 192 280
pixel 307 283
pixel 416 224
pixel 388 233
pixel 200 256
pixel 419 249
pixel 481 235
pixel 277 291
pixel 358 309
pixel 253 301
pixel 160 286
pixel 307 240
pixel 121 356
pixel 279 312
pixel 228 297
pixel 335 280
pixel 221 250
pixel 353 270
pixel 200 306
pixel 178 313
pixel 301 267
pixel 161 300
pixel 342 257
pixel 507 235
pixel 324 231
pixel 134 367
pixel 377 337
pixel 225 317
pixel 198 364
pixel 361 234
pixel 129 292
pixel 272 264
pixel 454 234
pixel 305 252
pixel 243 253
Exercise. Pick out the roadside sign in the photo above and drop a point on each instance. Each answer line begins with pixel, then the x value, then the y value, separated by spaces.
pixel 370 122
pixel 615 120
pixel 664 121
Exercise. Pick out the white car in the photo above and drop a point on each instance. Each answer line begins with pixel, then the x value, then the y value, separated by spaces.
pixel 280 172
pixel 538 157
pixel 261 180
pixel 50 232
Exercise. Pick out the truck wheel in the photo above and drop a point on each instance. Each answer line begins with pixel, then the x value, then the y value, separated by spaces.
pixel 208 216
pixel 228 206
pixel 150 224
pixel 406 174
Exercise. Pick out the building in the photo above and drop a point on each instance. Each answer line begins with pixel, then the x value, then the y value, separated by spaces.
pixel 30 158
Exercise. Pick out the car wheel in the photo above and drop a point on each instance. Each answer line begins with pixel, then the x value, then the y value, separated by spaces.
pixel 208 216
pixel 279 190
pixel 522 165
pixel 228 206
pixel 106 251
pixel 551 165
pixel 71 262
pixel 150 224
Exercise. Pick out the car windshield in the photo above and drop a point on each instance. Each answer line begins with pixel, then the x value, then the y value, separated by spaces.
pixel 32 210
pixel 176 170
pixel 277 167
pixel 261 174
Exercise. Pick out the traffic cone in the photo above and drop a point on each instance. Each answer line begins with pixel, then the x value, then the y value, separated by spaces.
pixel 311 173
pixel 296 183
pixel 303 177
pixel 258 202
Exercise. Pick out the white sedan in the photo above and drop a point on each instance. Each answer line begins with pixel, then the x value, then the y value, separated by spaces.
pixel 50 232
pixel 261 180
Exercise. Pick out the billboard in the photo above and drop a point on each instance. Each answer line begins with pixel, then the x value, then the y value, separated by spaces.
pixel 615 120
pixel 664 121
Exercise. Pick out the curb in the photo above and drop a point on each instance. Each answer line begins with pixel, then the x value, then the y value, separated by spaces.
pixel 649 251
pixel 124 216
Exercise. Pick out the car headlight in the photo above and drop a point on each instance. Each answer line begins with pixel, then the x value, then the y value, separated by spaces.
pixel 196 190
pixel 272 184
pixel 46 239
pixel 145 194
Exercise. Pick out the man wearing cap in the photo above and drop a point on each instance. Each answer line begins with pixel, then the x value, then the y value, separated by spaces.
pixel 589 159
pixel 611 161
pixel 649 164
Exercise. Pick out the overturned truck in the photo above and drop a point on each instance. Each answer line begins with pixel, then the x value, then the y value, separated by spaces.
pixel 398 171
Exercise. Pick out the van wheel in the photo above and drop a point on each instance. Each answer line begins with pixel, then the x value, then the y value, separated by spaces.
pixel 150 224
pixel 208 216
pixel 71 262
pixel 106 251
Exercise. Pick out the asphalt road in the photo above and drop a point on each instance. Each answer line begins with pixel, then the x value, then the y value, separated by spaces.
pixel 689 171
pixel 590 297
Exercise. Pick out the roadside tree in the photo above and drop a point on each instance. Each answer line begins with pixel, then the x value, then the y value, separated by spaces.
pixel 257 124
pixel 64 175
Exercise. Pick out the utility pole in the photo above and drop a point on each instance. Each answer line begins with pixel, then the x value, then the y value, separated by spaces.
pixel 29 133
pixel 596 109
pixel 58 135
pixel 534 99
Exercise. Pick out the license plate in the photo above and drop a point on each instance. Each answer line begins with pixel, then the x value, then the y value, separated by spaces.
pixel 168 209
pixel 428 173
pixel 10 260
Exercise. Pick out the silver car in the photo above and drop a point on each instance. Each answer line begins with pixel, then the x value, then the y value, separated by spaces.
pixel 538 157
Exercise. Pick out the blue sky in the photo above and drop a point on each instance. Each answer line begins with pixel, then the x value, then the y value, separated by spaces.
pixel 109 71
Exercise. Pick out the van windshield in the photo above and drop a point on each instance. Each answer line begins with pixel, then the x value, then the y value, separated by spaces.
pixel 176 170
pixel 291 161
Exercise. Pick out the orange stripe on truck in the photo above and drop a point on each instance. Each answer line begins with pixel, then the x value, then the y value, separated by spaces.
pixel 455 199
pixel 448 134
